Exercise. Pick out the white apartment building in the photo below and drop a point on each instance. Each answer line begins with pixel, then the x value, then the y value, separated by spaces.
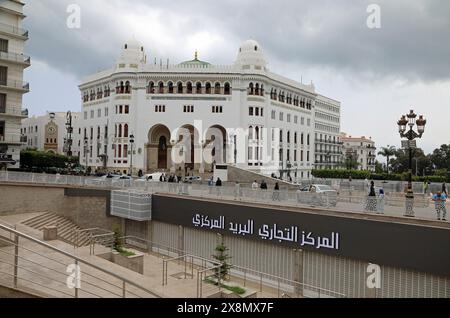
pixel 189 116
pixel 328 144
pixel 49 132
pixel 360 149
pixel 12 64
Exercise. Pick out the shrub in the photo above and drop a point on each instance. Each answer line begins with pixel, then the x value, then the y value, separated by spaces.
pixel 360 175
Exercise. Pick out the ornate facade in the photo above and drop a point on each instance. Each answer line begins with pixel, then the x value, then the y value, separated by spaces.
pixel 190 116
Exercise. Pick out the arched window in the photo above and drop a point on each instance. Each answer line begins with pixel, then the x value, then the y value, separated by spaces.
pixel 227 89
pixel 120 130
pixel 250 133
pixel 257 133
pixel 127 88
pixel 257 89
pixel 151 88
pixel 125 130
pixel 262 90
pixel 180 88
pixel 251 89
pixel 295 138
pixel 208 88
pixel 189 88
pixel 288 137
pixel 217 88
pixel 170 87
pixel 160 88
pixel 122 88
pixel 275 95
pixel 198 88
pixel 302 139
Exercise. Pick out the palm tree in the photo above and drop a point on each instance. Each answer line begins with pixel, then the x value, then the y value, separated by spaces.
pixel 387 152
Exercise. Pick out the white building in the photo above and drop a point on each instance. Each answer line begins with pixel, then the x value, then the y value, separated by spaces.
pixel 49 132
pixel 186 117
pixel 12 64
pixel 328 145
pixel 361 150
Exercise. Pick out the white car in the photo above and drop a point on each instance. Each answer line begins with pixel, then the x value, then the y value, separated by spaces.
pixel 325 195
pixel 152 177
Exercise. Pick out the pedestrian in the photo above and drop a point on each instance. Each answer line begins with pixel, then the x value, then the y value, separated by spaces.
pixel 444 189
pixel 255 185
pixel 140 173
pixel 218 182
pixel 439 203
pixel 263 185
pixel 425 187
pixel 371 204
pixel 276 192
pixel 380 201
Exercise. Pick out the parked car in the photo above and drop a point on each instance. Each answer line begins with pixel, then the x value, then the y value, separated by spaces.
pixel 152 177
pixel 191 179
pixel 321 194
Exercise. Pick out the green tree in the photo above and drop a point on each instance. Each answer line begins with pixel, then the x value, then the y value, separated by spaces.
pixel 351 161
pixel 387 152
pixel 441 157
pixel 222 257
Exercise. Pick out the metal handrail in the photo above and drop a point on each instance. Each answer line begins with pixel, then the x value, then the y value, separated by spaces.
pixel 78 260
pixel 279 279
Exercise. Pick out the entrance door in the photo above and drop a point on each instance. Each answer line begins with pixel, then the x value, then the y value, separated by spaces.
pixel 162 153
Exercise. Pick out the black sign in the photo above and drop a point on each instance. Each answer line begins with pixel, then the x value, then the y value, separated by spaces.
pixel 421 248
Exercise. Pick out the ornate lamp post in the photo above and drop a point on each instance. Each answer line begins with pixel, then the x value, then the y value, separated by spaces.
pixel 410 121
pixel 86 152
pixel 131 152
pixel 69 129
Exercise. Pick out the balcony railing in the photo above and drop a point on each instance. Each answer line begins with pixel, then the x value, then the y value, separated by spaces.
pixel 16 85
pixel 331 142
pixel 13 30
pixel 13 111
pixel 318 151
pixel 14 57
pixel 10 139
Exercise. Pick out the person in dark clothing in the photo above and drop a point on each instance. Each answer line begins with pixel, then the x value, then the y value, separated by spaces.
pixel 372 189
pixel 444 189
pixel 263 185
pixel 218 182
pixel 371 200
pixel 140 174
pixel 276 192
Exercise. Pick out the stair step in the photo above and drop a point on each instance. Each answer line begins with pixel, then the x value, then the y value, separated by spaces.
pixel 38 220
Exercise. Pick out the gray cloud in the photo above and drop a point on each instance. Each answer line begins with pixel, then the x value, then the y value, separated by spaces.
pixel 413 42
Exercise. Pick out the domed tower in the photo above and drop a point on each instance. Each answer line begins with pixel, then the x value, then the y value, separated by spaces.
pixel 251 56
pixel 132 56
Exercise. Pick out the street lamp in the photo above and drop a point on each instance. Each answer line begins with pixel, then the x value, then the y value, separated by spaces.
pixel 69 134
pixel 131 158
pixel 410 135
pixel 86 152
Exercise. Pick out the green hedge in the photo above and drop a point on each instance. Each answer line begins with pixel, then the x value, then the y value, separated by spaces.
pixel 360 175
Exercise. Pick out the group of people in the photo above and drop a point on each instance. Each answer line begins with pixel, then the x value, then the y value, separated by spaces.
pixel 439 198
pixel 170 179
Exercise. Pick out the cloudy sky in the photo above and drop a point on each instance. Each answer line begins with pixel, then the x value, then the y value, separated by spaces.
pixel 377 74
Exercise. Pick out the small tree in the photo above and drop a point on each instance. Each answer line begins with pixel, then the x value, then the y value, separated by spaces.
pixel 117 245
pixel 222 257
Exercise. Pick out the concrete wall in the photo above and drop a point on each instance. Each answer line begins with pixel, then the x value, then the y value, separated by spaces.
pixel 246 178
pixel 86 211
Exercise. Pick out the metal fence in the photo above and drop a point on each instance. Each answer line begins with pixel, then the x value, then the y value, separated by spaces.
pixel 347 200
pixel 28 263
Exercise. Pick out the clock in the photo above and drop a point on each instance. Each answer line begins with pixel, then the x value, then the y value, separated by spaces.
pixel 51 130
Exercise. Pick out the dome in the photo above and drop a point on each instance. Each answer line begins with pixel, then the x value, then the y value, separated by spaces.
pixel 195 62
pixel 251 54
pixel 132 53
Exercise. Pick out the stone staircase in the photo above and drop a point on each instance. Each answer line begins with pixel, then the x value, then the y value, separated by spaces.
pixel 66 228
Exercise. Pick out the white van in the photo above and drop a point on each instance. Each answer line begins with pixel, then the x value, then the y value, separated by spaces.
pixel 152 177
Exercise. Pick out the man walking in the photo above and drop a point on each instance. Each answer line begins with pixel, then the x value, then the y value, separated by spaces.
pixel 439 203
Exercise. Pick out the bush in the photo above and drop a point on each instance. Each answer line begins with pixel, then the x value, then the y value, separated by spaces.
pixel 361 175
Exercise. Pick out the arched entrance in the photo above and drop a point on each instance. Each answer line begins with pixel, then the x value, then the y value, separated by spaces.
pixel 215 146
pixel 162 153
pixel 158 148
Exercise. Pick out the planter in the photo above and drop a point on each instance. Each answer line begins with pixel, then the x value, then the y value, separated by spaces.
pixel 226 293
pixel 134 262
